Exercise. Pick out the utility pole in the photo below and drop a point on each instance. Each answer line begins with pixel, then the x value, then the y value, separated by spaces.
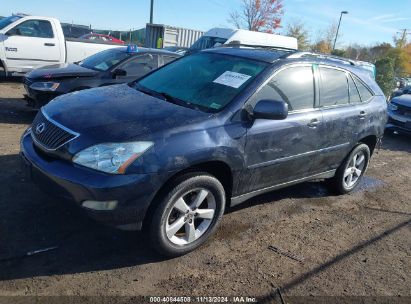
pixel 151 11
pixel 338 28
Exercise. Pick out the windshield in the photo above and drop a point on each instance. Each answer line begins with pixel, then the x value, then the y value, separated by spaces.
pixel 8 20
pixel 104 60
pixel 207 42
pixel 204 80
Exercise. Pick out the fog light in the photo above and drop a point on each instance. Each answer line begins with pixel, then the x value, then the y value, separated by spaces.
pixel 100 205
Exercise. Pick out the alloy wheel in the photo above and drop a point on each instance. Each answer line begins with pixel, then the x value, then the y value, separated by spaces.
pixel 191 216
pixel 354 170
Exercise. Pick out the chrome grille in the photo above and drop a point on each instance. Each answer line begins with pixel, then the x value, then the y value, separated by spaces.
pixel 49 134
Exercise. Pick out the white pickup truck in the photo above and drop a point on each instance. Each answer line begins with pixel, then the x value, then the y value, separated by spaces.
pixel 29 42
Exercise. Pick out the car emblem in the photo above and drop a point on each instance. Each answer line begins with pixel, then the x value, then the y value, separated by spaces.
pixel 40 128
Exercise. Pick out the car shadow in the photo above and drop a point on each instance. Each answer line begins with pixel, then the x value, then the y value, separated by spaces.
pixel 32 221
pixel 15 111
pixel 313 189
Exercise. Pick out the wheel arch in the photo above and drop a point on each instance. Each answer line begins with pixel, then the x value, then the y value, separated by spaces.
pixel 219 169
pixel 370 141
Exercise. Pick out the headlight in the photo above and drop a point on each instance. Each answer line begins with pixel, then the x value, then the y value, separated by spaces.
pixel 111 157
pixel 45 86
pixel 392 107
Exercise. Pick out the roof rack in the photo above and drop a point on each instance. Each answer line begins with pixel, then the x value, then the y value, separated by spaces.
pixel 322 56
pixel 238 44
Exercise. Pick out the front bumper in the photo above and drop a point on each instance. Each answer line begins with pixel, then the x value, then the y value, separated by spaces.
pixel 398 122
pixel 37 99
pixel 77 184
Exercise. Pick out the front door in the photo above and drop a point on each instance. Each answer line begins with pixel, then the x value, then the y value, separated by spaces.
pixel 31 44
pixel 279 151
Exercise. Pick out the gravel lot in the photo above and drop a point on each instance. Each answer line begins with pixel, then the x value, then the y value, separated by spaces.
pixel 353 245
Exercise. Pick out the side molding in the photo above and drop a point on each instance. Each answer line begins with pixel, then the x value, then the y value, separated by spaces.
pixel 242 198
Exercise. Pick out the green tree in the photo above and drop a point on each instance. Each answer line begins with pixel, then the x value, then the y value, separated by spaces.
pixel 385 75
pixel 400 59
pixel 298 30
pixel 338 52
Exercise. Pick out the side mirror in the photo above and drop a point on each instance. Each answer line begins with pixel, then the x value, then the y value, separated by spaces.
pixel 119 72
pixel 270 109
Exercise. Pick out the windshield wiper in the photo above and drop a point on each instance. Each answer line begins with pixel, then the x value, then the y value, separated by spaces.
pixel 167 97
pixel 162 95
pixel 172 99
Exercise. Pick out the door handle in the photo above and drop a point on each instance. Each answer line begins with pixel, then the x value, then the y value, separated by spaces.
pixel 49 44
pixel 313 123
pixel 362 114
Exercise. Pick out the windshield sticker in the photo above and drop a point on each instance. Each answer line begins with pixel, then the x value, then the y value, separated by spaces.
pixel 232 79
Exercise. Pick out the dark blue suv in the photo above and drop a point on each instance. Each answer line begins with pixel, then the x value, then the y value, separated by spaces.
pixel 171 151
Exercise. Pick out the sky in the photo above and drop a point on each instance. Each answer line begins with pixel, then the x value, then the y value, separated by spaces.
pixel 368 21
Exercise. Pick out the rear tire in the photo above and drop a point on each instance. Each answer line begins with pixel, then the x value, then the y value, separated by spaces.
pixel 352 169
pixel 188 214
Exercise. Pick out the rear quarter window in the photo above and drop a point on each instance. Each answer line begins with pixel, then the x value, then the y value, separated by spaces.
pixel 354 94
pixel 365 93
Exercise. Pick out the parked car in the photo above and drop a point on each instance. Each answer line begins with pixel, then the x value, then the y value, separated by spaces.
pixel 225 36
pixel 113 66
pixel 102 37
pixel 176 49
pixel 29 42
pixel 169 152
pixel 399 114
pixel 405 90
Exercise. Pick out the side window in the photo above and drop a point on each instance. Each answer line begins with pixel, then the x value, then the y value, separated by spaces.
pixel 354 95
pixel 140 65
pixel 295 86
pixel 364 92
pixel 167 59
pixel 33 28
pixel 334 87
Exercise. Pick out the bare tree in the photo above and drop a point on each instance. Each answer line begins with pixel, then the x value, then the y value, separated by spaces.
pixel 324 42
pixel 258 15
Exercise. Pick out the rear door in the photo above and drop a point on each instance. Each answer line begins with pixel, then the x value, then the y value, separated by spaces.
pixel 338 102
pixel 279 151
pixel 167 59
pixel 30 44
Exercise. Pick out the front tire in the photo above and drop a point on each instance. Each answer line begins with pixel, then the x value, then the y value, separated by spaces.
pixel 350 172
pixel 188 214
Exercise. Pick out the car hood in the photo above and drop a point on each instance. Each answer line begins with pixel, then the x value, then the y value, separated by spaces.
pixel 119 113
pixel 61 71
pixel 403 100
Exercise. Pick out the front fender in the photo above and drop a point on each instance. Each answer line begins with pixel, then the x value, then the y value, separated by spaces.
pixel 177 151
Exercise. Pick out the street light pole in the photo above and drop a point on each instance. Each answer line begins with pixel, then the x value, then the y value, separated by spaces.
pixel 338 28
pixel 151 11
